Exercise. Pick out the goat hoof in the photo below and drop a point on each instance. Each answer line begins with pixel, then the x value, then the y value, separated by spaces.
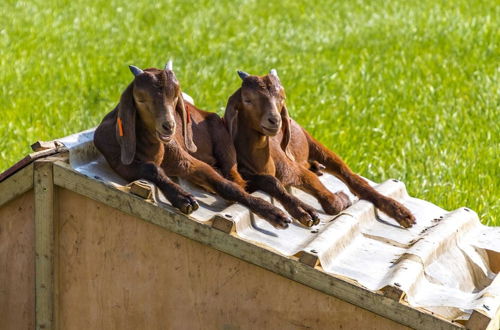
pixel 306 222
pixel 400 213
pixel 194 204
pixel 188 205
pixel 407 221
pixel 283 223
pixel 346 202
pixel 315 220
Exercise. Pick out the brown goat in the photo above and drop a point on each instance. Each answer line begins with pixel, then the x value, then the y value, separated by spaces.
pixel 139 140
pixel 274 152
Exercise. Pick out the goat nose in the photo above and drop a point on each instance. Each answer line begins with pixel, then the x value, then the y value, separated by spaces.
pixel 166 126
pixel 272 120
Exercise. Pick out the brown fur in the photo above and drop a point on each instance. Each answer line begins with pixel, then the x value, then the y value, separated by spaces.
pixel 152 148
pixel 273 154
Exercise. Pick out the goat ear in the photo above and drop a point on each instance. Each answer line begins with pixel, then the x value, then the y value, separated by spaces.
pixel 187 131
pixel 231 113
pixel 287 132
pixel 125 126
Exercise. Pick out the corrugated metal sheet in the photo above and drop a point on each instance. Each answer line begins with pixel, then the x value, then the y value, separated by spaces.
pixel 441 264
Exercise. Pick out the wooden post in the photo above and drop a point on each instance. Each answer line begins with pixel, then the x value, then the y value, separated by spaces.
pixel 44 244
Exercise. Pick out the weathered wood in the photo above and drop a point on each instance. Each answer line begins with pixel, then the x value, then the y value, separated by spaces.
pixel 18 184
pixel 392 292
pixel 494 259
pixel 478 321
pixel 44 244
pixel 140 189
pixel 309 258
pixel 171 220
pixel 223 224
pixel 43 145
pixel 28 160
pixel 17 263
pixel 481 321
pixel 119 272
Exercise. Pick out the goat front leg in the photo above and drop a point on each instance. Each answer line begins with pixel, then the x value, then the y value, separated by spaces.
pixel 332 203
pixel 204 175
pixel 177 196
pixel 224 150
pixel 358 185
pixel 304 213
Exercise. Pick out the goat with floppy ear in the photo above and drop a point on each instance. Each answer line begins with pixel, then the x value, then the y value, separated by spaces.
pixel 275 152
pixel 140 140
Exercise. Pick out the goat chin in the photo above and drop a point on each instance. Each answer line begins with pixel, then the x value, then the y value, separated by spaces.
pixel 164 138
pixel 269 132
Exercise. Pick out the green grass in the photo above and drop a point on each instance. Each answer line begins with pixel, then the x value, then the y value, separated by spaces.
pixel 400 89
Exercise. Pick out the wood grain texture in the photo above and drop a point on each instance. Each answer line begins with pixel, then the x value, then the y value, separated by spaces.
pixel 17 263
pixel 44 244
pixel 16 185
pixel 119 272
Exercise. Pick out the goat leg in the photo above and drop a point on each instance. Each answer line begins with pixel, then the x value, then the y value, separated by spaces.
pixel 357 185
pixel 224 150
pixel 332 203
pixel 304 213
pixel 204 175
pixel 177 196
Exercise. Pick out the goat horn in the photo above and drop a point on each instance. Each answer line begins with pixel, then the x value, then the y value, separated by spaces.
pixel 274 73
pixel 169 65
pixel 135 70
pixel 242 74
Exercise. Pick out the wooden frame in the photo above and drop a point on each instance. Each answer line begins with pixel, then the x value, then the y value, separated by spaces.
pixel 219 234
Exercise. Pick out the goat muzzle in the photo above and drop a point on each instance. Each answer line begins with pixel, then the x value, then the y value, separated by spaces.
pixel 271 126
pixel 165 135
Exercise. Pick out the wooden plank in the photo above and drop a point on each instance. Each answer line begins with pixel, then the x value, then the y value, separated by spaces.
pixel 223 223
pixel 43 145
pixel 309 258
pixel 44 244
pixel 16 185
pixel 28 160
pixel 120 272
pixel 494 259
pixel 17 263
pixel 140 189
pixel 293 269
pixel 392 292
pixel 479 320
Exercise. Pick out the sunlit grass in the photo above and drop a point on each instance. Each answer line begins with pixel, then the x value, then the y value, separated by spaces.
pixel 400 89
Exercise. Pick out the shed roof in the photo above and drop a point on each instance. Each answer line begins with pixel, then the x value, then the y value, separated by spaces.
pixel 441 265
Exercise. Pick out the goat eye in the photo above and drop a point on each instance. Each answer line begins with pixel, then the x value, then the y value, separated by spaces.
pixel 247 101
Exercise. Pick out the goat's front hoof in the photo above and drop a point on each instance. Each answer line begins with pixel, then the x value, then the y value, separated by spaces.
pixel 335 203
pixel 346 202
pixel 400 213
pixel 307 216
pixel 281 221
pixel 187 204
pixel 405 218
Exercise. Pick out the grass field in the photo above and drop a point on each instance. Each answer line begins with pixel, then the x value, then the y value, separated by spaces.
pixel 400 89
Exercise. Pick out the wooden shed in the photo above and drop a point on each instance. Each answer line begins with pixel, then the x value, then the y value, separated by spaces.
pixel 81 249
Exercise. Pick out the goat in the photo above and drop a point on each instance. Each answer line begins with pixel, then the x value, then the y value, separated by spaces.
pixel 274 152
pixel 139 140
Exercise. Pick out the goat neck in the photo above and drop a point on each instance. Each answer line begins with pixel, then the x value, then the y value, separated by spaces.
pixel 255 147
